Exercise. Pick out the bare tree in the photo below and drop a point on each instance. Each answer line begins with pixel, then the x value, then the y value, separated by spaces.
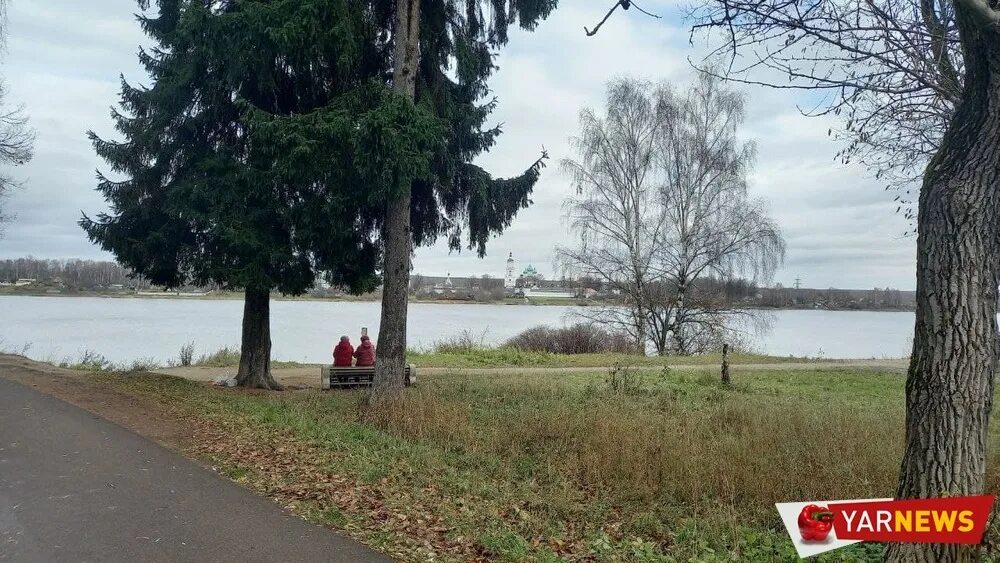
pixel 617 212
pixel 713 228
pixel 16 141
pixel 662 203
pixel 893 69
pixel 16 137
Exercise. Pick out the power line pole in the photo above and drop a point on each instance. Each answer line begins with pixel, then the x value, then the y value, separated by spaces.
pixel 798 283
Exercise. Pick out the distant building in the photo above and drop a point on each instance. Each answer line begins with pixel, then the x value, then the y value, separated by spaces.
pixel 447 286
pixel 509 280
pixel 22 282
pixel 552 292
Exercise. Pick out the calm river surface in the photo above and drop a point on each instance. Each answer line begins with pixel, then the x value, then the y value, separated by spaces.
pixel 58 328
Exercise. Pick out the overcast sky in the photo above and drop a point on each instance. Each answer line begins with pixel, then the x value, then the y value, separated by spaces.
pixel 64 58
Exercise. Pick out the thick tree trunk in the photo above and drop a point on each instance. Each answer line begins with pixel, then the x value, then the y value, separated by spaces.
pixel 255 352
pixel 398 245
pixel 949 388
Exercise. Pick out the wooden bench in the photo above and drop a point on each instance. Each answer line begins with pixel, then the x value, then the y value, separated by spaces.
pixel 342 377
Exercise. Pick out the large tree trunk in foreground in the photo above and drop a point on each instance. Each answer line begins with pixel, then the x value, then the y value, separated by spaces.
pixel 949 388
pixel 398 245
pixel 255 352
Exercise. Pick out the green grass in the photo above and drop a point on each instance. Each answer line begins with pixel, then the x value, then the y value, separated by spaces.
pixel 223 357
pixel 230 357
pixel 512 357
pixel 506 357
pixel 652 466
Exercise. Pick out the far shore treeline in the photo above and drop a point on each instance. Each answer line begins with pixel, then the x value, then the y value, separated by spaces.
pixel 95 277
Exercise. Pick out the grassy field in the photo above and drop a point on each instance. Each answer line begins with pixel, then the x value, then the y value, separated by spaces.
pixel 668 466
pixel 512 357
pixel 505 357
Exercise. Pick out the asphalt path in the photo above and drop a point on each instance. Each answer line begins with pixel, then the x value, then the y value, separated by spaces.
pixel 75 487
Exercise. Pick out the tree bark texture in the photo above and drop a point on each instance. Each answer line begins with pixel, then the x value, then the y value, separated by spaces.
pixel 949 387
pixel 725 365
pixel 255 351
pixel 397 241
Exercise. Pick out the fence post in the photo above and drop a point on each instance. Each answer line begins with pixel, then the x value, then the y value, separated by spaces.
pixel 725 364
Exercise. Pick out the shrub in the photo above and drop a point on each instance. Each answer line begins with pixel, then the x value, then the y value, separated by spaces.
pixel 580 338
pixel 623 380
pixel 187 354
pixel 466 341
pixel 140 365
pixel 224 357
pixel 95 362
pixel 90 361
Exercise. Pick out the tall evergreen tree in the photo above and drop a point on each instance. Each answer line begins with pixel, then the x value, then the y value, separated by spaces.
pixel 443 59
pixel 210 193
pixel 272 143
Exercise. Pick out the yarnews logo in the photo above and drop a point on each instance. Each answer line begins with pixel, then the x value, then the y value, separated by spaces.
pixel 820 526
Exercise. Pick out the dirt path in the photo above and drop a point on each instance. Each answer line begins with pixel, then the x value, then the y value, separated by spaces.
pixel 309 376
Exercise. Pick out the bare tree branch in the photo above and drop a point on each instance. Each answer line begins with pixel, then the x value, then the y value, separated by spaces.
pixel 625 4
pixel 662 205
pixel 16 137
pixel 891 69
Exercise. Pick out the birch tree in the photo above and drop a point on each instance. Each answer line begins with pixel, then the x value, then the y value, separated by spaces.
pixel 617 213
pixel 662 202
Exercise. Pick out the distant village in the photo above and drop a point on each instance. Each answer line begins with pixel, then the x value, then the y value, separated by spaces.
pixel 526 284
pixel 519 284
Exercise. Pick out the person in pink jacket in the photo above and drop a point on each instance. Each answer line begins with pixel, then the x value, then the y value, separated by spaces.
pixel 365 353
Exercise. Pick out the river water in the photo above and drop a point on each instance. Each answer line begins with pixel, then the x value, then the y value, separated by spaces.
pixel 63 328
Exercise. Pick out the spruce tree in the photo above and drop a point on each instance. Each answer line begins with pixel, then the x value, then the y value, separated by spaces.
pixel 209 194
pixel 271 146
pixel 443 59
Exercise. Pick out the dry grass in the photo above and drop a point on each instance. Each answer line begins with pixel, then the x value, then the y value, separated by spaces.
pixel 683 442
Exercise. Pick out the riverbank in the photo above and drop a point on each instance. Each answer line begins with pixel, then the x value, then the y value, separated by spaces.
pixel 501 363
pixel 638 466
pixel 374 298
pixel 238 296
pixel 308 376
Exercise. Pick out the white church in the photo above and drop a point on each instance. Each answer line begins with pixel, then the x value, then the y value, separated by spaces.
pixel 531 288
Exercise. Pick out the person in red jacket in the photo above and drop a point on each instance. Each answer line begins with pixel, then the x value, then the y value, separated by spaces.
pixel 343 353
pixel 365 352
